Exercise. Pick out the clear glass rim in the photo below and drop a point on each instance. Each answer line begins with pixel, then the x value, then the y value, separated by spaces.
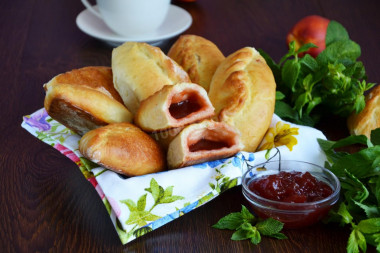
pixel 270 202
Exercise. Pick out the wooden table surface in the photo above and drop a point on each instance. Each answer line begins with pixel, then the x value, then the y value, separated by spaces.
pixel 46 203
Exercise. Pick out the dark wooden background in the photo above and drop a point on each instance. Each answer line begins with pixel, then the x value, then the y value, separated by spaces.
pixel 46 203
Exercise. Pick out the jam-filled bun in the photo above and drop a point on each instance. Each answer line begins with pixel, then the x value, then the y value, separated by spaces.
pixel 174 106
pixel 139 70
pixel 123 148
pixel 198 56
pixel 201 142
pixel 84 99
pixel 243 92
pixel 368 119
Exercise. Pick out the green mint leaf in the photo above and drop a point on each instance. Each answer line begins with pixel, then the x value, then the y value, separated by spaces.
pixel 301 101
pixel 326 145
pixel 360 164
pixel 256 239
pixel 290 53
pixel 369 226
pixel 341 50
pixel 243 234
pixel 371 211
pixel 376 190
pixel 356 240
pixel 290 72
pixel 307 82
pixel 356 70
pixel 375 136
pixel 231 221
pixel 280 236
pixel 350 140
pixel 247 215
pixel 344 214
pixel 279 95
pixel 247 231
pixel 285 111
pixel 335 31
pixel 374 240
pixel 313 103
pixel 309 62
pixel 269 226
pixel 305 47
pixel 361 241
pixel 353 187
pixel 272 65
pixel 359 103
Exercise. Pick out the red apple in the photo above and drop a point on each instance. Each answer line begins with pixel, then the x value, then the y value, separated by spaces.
pixel 310 29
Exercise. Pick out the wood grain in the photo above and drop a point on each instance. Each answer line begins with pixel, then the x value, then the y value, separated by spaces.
pixel 48 206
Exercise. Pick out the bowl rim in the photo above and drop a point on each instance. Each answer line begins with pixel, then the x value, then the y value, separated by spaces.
pixel 334 195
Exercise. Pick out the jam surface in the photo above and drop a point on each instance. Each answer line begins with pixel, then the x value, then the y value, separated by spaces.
pixel 183 108
pixel 205 144
pixel 292 187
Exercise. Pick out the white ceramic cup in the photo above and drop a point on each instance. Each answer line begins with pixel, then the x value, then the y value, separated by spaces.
pixel 131 18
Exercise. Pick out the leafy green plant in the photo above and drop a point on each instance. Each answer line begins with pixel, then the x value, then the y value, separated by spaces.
pixel 248 227
pixel 359 174
pixel 333 82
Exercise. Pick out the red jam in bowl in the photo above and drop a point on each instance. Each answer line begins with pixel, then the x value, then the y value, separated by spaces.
pixel 294 187
pixel 297 197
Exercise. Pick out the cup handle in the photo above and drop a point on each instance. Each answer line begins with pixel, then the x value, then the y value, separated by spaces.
pixel 91 8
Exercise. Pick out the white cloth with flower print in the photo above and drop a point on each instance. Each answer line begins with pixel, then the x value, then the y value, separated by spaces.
pixel 138 205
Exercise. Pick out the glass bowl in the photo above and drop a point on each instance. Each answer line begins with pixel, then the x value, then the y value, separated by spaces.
pixel 293 215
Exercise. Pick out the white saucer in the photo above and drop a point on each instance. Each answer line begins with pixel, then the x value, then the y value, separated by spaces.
pixel 176 22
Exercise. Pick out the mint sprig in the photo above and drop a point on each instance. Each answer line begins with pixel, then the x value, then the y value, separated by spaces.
pixel 359 174
pixel 248 227
pixel 334 82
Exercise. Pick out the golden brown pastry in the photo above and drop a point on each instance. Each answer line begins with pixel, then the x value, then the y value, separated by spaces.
pixel 84 99
pixel 369 118
pixel 139 70
pixel 205 141
pixel 198 56
pixel 174 106
pixel 243 93
pixel 123 148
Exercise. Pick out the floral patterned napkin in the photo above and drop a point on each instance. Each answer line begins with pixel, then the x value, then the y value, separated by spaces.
pixel 138 205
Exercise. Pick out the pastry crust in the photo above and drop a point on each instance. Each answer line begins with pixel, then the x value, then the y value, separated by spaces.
pixel 369 118
pixel 174 106
pixel 243 93
pixel 198 56
pixel 205 141
pixel 123 148
pixel 140 70
pixel 84 99
pixel 164 138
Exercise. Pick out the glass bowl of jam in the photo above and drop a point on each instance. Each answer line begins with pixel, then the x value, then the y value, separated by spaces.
pixel 296 193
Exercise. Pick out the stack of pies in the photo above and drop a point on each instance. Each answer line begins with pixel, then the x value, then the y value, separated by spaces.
pixel 150 111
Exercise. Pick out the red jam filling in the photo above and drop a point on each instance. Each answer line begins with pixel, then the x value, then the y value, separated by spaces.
pixel 292 187
pixel 184 107
pixel 204 144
